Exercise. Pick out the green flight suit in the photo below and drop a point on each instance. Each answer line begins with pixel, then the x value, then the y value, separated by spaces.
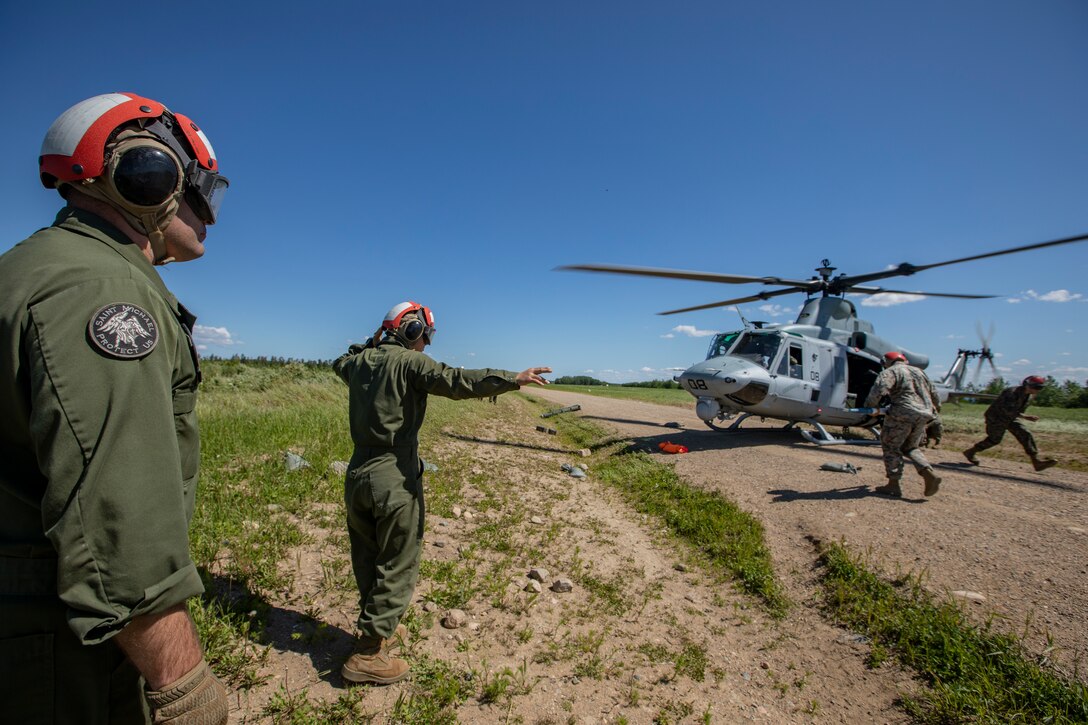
pixel 388 387
pixel 99 452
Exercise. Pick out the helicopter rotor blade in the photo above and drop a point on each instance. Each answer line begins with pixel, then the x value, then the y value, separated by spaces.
pixel 906 268
pixel 682 274
pixel 978 371
pixel 736 300
pixel 881 290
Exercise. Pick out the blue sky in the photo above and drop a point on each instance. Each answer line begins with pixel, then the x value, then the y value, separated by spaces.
pixel 455 153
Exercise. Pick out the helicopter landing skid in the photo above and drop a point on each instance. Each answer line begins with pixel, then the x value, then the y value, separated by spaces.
pixel 823 438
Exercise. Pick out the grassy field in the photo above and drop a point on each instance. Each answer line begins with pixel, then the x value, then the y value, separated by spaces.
pixel 252 514
pixel 661 396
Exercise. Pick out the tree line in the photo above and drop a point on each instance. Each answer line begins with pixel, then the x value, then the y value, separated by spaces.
pixel 587 380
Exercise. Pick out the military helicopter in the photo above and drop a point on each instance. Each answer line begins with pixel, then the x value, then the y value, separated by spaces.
pixel 817 370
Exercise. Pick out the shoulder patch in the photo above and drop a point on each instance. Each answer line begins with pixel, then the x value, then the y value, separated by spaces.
pixel 123 331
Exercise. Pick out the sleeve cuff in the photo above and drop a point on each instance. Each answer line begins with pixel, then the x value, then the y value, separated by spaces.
pixel 174 589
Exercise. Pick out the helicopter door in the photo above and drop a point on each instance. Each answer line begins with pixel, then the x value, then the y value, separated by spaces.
pixel 797 370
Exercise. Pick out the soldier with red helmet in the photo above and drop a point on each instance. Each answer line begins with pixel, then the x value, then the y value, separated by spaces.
pixel 389 379
pixel 1003 415
pixel 98 383
pixel 913 406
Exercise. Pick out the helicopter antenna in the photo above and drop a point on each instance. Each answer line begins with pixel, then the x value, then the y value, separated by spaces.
pixel 743 319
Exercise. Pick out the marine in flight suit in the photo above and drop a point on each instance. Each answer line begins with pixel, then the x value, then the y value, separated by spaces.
pixel 389 380
pixel 99 447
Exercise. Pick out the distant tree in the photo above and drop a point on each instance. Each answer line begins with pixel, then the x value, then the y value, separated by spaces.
pixel 995 386
pixel 578 380
pixel 653 384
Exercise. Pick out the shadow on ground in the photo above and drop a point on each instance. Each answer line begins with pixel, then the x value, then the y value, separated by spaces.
pixel 288 630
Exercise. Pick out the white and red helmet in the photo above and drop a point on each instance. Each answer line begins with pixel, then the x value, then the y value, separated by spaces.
pixel 894 356
pixel 75 146
pixel 410 321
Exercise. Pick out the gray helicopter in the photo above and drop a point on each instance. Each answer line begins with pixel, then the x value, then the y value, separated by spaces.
pixel 817 370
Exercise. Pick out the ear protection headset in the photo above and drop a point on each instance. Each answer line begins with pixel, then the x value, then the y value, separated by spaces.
pixel 410 321
pixel 146 174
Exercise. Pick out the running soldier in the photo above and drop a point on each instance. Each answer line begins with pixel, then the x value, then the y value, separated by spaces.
pixel 1002 416
pixel 914 406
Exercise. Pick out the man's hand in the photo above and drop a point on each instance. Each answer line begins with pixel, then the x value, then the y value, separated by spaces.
pixel 1032 418
pixel 196 698
pixel 532 375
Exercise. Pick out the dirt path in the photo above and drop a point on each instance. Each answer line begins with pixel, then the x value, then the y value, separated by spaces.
pixel 1017 537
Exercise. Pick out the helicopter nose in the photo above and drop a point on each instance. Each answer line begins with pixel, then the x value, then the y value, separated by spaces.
pixel 738 380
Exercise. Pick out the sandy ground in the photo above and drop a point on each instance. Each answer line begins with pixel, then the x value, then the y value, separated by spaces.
pixel 1016 537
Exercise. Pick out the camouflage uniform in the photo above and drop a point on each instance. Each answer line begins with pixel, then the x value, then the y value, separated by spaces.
pixel 1002 416
pixel 914 405
pixel 388 388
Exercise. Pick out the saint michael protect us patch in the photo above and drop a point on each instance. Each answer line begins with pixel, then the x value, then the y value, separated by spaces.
pixel 123 331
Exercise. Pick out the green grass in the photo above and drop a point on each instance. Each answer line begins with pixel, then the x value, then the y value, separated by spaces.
pixel 731 539
pixel 975 676
pixel 661 396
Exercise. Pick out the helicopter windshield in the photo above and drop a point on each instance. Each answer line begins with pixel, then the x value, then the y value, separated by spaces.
pixel 721 344
pixel 759 347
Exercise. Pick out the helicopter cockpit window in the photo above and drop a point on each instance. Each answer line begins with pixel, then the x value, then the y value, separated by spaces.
pixel 721 344
pixel 759 348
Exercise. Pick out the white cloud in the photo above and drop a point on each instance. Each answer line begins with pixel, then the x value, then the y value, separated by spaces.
pixel 689 331
pixel 1065 353
pixel 1022 361
pixel 1014 301
pixel 889 299
pixel 1058 295
pixel 776 310
pixel 953 337
pixel 203 336
pixel 647 370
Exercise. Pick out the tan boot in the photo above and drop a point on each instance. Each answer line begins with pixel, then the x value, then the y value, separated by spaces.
pixel 371 663
pixel 891 488
pixel 1041 464
pixel 398 638
pixel 933 482
pixel 971 454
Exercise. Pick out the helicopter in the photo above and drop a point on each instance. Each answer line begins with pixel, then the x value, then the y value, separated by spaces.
pixel 817 370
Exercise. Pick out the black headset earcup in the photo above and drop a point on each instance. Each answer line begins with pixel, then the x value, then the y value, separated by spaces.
pixel 412 330
pixel 146 176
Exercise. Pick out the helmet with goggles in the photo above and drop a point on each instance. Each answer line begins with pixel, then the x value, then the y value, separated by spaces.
pixel 890 358
pixel 409 321
pixel 1034 381
pixel 136 155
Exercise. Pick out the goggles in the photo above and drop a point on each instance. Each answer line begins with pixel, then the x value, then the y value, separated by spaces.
pixel 204 191
pixel 204 188
pixel 428 334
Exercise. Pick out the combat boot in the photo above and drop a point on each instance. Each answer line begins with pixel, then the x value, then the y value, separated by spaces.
pixel 971 454
pixel 371 663
pixel 933 481
pixel 891 488
pixel 1041 464
pixel 399 637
